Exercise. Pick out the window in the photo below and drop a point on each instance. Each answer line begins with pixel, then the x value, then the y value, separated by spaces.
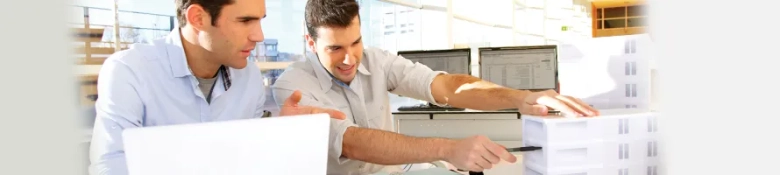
pixel 283 30
pixel 628 68
pixel 623 151
pixel 617 21
pixel 622 126
pixel 655 124
pixel 631 90
pixel 630 46
pixel 650 149
pixel 623 171
pixel 652 170
pixel 652 124
pixel 270 48
pixel 627 47
pixel 655 148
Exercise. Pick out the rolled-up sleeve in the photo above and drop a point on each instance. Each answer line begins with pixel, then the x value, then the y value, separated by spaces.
pixel 284 87
pixel 118 107
pixel 407 78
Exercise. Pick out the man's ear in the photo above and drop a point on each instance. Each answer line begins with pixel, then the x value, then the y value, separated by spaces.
pixel 197 17
pixel 310 43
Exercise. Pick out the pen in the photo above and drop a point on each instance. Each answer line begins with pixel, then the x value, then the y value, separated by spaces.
pixel 517 149
pixel 523 149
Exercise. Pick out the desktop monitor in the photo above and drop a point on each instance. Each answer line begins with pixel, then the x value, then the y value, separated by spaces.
pixel 452 61
pixel 533 68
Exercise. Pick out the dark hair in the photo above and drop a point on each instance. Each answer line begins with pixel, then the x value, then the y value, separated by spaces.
pixel 212 7
pixel 330 13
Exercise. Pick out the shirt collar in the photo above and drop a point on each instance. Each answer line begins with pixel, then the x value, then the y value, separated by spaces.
pixel 325 78
pixel 176 56
pixel 178 59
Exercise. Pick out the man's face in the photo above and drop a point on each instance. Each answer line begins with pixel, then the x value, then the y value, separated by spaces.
pixel 339 49
pixel 235 34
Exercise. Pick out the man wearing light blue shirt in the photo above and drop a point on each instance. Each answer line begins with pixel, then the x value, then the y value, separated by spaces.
pixel 198 73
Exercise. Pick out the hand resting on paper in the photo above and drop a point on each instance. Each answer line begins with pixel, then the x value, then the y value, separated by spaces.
pixel 291 107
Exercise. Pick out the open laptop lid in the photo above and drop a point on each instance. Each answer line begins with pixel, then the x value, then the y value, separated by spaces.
pixel 547 55
pixel 278 145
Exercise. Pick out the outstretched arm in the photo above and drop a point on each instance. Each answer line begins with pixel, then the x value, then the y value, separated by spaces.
pixel 389 148
pixel 467 91
pixel 461 90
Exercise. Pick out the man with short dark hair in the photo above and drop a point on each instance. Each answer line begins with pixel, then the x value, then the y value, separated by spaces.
pixel 196 74
pixel 341 74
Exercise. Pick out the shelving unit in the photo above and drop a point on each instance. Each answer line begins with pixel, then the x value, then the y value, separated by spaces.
pixel 616 18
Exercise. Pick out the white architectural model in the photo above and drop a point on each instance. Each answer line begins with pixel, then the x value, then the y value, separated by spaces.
pixel 627 81
pixel 619 142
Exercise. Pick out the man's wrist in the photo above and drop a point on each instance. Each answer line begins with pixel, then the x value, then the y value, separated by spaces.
pixel 445 148
pixel 517 97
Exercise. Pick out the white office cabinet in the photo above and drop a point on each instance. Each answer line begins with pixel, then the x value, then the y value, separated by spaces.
pixel 620 142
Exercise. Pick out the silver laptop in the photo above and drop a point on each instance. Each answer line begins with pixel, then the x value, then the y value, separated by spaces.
pixel 278 145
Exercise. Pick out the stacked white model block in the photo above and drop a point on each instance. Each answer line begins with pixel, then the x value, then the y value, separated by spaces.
pixel 609 72
pixel 619 142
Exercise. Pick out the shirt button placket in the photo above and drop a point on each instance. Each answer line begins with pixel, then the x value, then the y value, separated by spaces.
pixel 204 111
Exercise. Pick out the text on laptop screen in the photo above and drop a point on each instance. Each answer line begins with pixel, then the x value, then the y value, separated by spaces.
pixel 450 61
pixel 529 69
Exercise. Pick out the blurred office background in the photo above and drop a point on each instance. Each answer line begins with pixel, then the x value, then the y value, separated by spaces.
pixel 394 25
